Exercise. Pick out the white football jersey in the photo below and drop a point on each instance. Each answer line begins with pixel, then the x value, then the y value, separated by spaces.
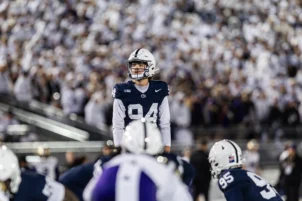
pixel 46 166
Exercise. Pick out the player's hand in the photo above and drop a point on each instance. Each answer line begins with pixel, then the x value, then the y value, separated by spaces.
pixel 167 149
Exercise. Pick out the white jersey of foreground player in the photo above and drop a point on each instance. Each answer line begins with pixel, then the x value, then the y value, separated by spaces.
pixel 169 186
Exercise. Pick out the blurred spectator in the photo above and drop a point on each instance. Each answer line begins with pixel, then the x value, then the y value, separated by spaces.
pixel 236 63
pixel 72 160
pixel 199 160
pixel 186 154
pixel 6 120
pixel 69 100
pixel 23 88
pixel 181 117
pixel 291 116
pixel 6 85
pixel 95 110
pixel 46 164
pixel 291 169
pixel 251 157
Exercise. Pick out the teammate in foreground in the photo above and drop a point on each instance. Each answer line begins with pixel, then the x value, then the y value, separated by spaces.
pixel 237 184
pixel 91 172
pixel 28 185
pixel 141 98
pixel 135 175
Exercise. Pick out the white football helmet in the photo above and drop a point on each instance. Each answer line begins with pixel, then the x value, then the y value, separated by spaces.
pixel 224 155
pixel 143 56
pixel 142 137
pixel 9 168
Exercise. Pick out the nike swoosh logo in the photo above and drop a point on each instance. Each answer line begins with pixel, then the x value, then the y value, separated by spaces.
pixel 157 90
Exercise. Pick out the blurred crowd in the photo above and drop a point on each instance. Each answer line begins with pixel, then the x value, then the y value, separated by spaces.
pixel 227 62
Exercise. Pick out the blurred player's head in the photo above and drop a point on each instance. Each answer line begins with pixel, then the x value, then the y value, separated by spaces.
pixel 43 151
pixel 9 170
pixel 142 137
pixel 141 65
pixel 224 155
pixel 252 145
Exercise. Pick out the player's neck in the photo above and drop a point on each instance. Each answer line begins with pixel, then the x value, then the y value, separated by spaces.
pixel 143 82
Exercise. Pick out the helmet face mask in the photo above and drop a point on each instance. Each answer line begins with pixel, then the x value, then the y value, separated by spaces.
pixel 138 69
pixel 224 155
pixel 142 57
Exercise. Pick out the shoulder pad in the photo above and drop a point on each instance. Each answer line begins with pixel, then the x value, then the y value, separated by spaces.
pixel 118 90
pixel 231 178
pixel 162 85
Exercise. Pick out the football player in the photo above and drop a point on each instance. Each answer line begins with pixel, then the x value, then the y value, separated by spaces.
pixel 141 97
pixel 46 164
pixel 28 185
pixel 135 174
pixel 237 184
pixel 90 173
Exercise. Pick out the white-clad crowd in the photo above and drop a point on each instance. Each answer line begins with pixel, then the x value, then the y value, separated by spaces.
pixel 227 62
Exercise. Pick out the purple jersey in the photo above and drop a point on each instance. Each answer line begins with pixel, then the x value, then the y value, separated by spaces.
pixel 138 178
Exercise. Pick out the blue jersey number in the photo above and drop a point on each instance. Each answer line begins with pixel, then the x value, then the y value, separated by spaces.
pixel 269 192
pixel 225 180
pixel 151 115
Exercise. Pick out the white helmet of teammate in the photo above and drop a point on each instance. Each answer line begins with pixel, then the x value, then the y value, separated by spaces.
pixel 9 168
pixel 142 137
pixel 224 155
pixel 142 56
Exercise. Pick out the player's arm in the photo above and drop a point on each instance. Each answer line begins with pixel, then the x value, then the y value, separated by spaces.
pixel 164 124
pixel 118 122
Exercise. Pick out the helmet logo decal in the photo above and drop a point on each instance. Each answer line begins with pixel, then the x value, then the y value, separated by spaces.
pixel 231 159
pixel 235 150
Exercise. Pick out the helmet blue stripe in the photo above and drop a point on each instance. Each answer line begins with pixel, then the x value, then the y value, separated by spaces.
pixel 235 150
pixel 135 55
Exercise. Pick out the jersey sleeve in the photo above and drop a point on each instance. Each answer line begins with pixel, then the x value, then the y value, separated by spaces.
pixel 117 92
pixel 118 121
pixel 232 184
pixel 166 89
pixel 164 121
